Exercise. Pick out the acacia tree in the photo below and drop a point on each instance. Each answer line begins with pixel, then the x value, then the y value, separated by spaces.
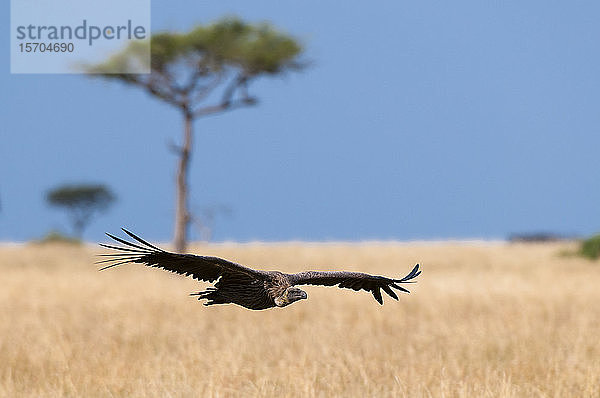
pixel 203 72
pixel 81 201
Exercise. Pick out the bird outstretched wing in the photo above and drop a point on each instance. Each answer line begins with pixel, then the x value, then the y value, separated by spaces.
pixel 356 281
pixel 203 268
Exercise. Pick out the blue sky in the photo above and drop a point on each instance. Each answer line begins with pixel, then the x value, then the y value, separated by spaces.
pixel 416 120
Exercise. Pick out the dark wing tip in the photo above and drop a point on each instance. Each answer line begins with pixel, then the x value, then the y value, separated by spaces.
pixel 129 253
pixel 411 275
pixel 130 244
pixel 377 294
pixel 113 265
pixel 140 240
pixel 111 236
pixel 407 279
pixel 402 289
pixel 389 292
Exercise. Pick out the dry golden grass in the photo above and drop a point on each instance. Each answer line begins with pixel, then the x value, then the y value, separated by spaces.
pixel 485 320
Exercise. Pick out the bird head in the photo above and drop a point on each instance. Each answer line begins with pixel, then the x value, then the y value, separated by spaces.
pixel 290 295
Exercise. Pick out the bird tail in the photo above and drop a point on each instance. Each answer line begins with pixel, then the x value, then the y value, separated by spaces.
pixel 211 294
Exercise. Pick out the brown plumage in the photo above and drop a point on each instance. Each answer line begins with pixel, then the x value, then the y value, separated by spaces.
pixel 250 288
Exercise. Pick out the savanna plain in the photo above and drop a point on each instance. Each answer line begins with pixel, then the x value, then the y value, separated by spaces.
pixel 484 320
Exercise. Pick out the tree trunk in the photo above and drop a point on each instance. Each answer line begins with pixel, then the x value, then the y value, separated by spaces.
pixel 182 216
pixel 78 226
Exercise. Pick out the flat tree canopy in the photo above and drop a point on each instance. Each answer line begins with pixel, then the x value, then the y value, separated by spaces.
pixel 188 67
pixel 81 202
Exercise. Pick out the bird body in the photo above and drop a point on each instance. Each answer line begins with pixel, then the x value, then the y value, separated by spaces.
pixel 247 287
pixel 251 293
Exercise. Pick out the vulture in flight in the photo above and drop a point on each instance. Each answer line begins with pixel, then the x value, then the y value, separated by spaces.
pixel 250 288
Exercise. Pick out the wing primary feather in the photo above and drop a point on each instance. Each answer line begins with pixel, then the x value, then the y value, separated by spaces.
pixel 377 294
pixel 114 265
pixel 399 288
pixel 390 292
pixel 141 240
pixel 130 259
pixel 411 275
pixel 121 254
pixel 145 251
pixel 127 243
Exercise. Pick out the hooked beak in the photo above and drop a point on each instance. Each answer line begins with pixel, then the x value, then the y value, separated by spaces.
pixel 303 295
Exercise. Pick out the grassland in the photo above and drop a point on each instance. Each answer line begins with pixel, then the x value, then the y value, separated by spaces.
pixel 485 320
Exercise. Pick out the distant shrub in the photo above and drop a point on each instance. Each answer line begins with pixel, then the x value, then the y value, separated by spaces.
pixel 535 237
pixel 58 237
pixel 590 248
